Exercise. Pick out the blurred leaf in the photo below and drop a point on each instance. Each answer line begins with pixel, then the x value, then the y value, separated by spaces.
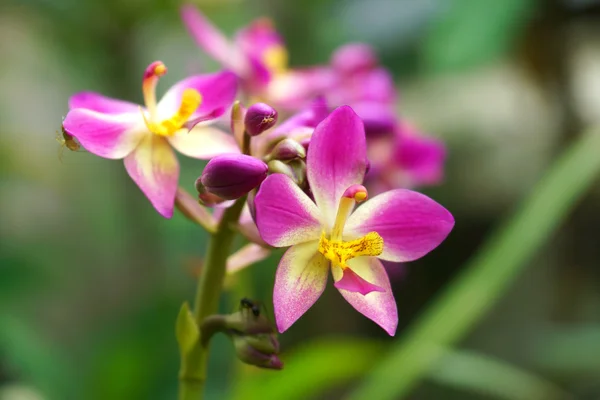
pixel 479 373
pixel 136 357
pixel 186 329
pixel 33 359
pixel 488 274
pixel 471 32
pixel 311 369
pixel 571 350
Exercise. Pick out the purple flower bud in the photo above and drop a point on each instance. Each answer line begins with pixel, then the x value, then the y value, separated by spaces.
pixel 230 176
pixel 259 118
pixel 259 350
pixel 288 149
pixel 354 57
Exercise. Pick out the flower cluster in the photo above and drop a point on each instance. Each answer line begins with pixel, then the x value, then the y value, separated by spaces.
pixel 304 155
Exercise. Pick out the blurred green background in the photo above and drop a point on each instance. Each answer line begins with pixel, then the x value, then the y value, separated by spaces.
pixel 91 277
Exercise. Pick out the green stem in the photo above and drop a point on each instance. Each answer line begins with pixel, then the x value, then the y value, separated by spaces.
pixel 192 375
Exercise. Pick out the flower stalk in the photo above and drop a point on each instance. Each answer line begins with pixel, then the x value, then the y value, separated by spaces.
pixel 192 374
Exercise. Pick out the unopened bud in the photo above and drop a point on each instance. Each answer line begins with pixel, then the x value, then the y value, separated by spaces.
pixel 354 57
pixel 299 168
pixel 259 118
pixel 207 198
pixel 287 149
pixel 260 350
pixel 279 167
pixel 230 176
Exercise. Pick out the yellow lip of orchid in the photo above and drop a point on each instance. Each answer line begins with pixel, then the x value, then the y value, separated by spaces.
pixel 338 251
pixel 190 101
pixel 275 59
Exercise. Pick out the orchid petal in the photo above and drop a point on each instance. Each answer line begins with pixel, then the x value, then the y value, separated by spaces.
pixel 218 91
pixel 352 282
pixel 106 135
pixel 378 306
pixel 300 279
pixel 102 104
pixel 336 159
pixel 203 142
pixel 421 159
pixel 410 223
pixel 210 39
pixel 284 214
pixel 155 169
pixel 246 256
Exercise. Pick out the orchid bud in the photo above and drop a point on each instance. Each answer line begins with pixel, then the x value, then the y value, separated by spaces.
pixel 287 149
pixel 299 168
pixel 279 167
pixel 260 350
pixel 354 57
pixel 259 118
pixel 230 176
pixel 206 198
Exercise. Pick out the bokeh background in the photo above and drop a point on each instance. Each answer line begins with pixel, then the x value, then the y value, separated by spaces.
pixel 91 277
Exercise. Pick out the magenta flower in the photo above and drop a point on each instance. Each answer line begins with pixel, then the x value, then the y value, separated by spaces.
pixel 406 159
pixel 399 225
pixel 256 55
pixel 115 129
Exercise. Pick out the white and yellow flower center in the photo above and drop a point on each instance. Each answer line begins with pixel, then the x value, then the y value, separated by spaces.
pixel 190 101
pixel 338 251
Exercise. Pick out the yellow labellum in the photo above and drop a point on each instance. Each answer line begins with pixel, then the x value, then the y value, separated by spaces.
pixel 339 252
pixel 190 101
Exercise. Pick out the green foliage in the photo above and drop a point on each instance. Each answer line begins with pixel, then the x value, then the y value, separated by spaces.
pixel 488 274
pixel 317 366
pixel 472 32
pixel 186 329
pixel 482 374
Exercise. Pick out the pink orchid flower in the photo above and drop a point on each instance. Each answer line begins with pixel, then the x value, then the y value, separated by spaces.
pixel 143 136
pixel 256 54
pixel 327 233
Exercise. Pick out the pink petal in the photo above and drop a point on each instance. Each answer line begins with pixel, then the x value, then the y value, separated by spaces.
pixel 297 88
pixel 155 169
pixel 336 159
pixel 248 228
pixel 204 142
pixel 352 282
pixel 284 214
pixel 411 224
pixel 378 306
pixel 106 135
pixel 300 279
pixel 421 159
pixel 246 256
pixel 210 39
pixel 102 104
pixel 218 91
pixel 258 37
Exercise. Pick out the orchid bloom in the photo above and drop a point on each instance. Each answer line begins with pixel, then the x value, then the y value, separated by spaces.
pixel 327 233
pixel 257 54
pixel 406 159
pixel 116 129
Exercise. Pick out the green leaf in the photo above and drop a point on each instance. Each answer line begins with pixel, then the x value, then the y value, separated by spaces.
pixel 471 32
pixel 488 274
pixel 479 373
pixel 186 329
pixel 312 369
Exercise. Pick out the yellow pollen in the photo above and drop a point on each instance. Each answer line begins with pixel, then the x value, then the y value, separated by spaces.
pixel 160 70
pixel 190 101
pixel 276 59
pixel 360 196
pixel 339 252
